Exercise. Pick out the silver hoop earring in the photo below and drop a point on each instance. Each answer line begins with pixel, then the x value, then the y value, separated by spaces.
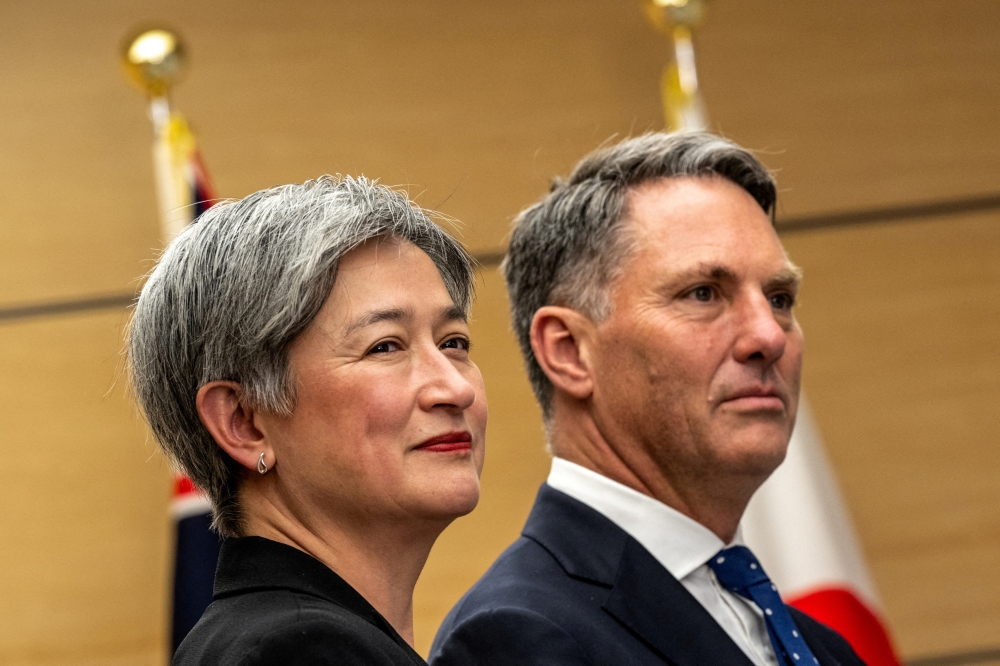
pixel 261 465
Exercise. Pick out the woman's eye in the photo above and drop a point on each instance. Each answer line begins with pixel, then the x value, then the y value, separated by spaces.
pixel 457 343
pixel 782 301
pixel 384 348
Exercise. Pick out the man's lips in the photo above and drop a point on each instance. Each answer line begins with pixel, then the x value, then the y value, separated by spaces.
pixel 755 397
pixel 448 442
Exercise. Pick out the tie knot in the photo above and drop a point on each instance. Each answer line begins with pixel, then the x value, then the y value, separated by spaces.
pixel 737 569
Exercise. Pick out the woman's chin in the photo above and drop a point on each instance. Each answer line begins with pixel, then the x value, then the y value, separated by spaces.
pixel 450 500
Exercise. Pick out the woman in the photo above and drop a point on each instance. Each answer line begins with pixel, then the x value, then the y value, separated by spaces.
pixel 303 356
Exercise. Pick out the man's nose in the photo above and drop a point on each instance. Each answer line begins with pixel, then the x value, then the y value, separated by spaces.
pixel 443 384
pixel 761 335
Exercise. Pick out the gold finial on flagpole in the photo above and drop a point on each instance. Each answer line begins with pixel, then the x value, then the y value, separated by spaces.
pixel 154 59
pixel 681 99
pixel 666 14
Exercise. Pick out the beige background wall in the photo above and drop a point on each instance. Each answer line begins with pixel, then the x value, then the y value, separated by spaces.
pixel 474 106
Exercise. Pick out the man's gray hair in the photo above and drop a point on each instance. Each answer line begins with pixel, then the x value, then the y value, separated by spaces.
pixel 567 248
pixel 233 290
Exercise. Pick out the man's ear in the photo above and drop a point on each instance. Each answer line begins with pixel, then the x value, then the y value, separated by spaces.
pixel 559 339
pixel 231 424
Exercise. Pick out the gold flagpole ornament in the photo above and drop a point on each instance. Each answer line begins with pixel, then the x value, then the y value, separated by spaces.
pixel 682 103
pixel 154 59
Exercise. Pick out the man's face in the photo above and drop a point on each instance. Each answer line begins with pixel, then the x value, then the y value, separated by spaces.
pixel 697 365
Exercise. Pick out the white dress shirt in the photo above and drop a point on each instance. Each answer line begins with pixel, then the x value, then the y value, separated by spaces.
pixel 682 545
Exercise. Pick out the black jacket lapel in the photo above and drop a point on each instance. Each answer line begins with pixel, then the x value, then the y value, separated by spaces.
pixel 828 646
pixel 642 595
pixel 648 600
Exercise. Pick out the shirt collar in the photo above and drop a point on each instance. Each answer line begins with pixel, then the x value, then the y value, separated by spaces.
pixel 677 542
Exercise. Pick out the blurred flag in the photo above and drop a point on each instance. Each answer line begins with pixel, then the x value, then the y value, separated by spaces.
pixel 799 528
pixel 679 86
pixel 183 188
pixel 184 192
pixel 195 554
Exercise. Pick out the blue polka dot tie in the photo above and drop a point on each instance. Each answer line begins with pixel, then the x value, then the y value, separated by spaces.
pixel 740 572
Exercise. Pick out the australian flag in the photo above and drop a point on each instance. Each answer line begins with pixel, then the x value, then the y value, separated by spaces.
pixel 196 554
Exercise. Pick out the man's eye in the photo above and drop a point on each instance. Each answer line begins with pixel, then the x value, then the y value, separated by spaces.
pixel 702 294
pixel 457 343
pixel 782 301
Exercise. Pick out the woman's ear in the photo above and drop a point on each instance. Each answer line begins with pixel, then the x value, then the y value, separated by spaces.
pixel 231 424
pixel 559 337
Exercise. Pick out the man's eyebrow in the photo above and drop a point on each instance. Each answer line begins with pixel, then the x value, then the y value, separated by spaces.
pixel 716 272
pixel 789 276
pixel 378 316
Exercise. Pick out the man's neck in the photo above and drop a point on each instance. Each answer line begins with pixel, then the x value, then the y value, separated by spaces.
pixel 714 500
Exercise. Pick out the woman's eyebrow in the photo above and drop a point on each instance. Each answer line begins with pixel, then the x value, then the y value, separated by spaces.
pixel 378 316
pixel 455 313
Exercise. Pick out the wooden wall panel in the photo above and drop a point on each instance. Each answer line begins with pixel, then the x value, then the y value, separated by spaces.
pixel 84 536
pixel 859 104
pixel 475 106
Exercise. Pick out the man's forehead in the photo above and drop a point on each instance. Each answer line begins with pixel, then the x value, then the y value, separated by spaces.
pixel 680 198
pixel 707 227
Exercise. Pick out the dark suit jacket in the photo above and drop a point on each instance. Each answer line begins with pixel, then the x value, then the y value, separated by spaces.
pixel 275 604
pixel 577 589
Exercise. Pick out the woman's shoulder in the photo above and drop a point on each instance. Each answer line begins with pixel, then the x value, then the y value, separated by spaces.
pixel 288 627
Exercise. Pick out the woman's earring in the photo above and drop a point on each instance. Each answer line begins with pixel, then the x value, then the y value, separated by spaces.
pixel 261 465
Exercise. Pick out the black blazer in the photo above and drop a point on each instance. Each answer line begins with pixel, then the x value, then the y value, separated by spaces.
pixel 577 589
pixel 276 605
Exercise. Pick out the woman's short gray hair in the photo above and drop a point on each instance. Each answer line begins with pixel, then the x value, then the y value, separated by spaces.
pixel 567 248
pixel 233 290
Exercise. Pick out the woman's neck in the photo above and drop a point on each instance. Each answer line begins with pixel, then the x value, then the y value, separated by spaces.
pixel 382 561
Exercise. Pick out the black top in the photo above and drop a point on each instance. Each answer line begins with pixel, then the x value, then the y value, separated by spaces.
pixel 577 590
pixel 275 604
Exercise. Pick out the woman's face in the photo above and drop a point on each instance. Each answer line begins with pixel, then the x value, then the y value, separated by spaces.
pixel 390 413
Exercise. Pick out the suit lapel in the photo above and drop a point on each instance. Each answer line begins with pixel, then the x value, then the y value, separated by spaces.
pixel 642 595
pixel 812 632
pixel 648 600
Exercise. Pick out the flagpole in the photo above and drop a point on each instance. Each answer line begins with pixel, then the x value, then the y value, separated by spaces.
pixel 172 219
pixel 154 59
pixel 682 104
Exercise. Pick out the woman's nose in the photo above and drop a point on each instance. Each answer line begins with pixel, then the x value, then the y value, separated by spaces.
pixel 444 384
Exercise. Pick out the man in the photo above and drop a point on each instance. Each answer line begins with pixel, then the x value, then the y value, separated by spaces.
pixel 653 302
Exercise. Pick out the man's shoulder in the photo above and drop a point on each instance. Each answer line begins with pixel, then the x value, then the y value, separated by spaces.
pixel 525 576
pixel 285 627
pixel 525 609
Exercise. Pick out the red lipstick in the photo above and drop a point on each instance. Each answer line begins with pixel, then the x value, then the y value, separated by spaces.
pixel 447 443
